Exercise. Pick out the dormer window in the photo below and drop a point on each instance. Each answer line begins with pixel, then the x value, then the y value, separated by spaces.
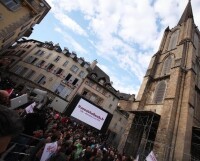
pixel 66 50
pixel 73 54
pixel 101 81
pixel 56 48
pixel 80 61
pixel 93 76
pixel 86 65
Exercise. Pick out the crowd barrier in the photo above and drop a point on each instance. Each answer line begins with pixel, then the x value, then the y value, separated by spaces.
pixel 20 148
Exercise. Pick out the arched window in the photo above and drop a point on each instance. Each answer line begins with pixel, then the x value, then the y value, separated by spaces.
pixel 160 92
pixel 196 43
pixel 173 40
pixel 167 65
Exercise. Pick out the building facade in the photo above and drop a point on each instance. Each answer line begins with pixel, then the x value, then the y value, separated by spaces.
pixel 165 115
pixel 46 66
pixel 34 64
pixel 18 17
pixel 98 88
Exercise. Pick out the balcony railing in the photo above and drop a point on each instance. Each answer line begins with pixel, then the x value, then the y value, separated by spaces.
pixel 68 84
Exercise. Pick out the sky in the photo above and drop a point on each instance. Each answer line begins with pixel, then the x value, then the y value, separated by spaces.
pixel 122 35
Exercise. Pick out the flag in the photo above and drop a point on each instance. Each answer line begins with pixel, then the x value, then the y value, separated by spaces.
pixel 29 109
pixel 151 157
pixel 9 91
pixel 137 159
pixel 49 149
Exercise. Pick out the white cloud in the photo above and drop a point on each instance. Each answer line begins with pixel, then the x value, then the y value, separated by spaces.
pixel 70 40
pixel 120 84
pixel 60 13
pixel 125 31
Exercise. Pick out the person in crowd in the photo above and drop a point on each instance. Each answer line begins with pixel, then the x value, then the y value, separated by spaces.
pixel 76 142
pixel 10 126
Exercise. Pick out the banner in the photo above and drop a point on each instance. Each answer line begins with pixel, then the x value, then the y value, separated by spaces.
pixel 151 157
pixel 29 109
pixel 137 159
pixel 49 149
pixel 10 91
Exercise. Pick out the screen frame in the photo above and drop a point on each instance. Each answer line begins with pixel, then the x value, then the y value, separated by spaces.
pixel 73 105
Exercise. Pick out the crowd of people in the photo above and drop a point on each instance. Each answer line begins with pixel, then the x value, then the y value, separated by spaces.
pixel 74 140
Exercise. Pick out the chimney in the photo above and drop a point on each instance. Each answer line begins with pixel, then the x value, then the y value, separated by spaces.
pixel 93 64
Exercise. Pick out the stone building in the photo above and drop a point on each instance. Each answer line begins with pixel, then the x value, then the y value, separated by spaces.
pixel 34 64
pixel 98 88
pixel 18 17
pixel 166 114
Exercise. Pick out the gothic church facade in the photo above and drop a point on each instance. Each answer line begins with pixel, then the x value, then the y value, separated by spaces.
pixel 166 114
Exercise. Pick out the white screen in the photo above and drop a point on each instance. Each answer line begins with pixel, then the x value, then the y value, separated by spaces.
pixel 90 114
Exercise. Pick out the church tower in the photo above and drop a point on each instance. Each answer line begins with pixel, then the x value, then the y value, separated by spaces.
pixel 165 117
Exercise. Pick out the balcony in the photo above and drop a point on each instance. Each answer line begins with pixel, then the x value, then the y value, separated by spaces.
pixel 68 84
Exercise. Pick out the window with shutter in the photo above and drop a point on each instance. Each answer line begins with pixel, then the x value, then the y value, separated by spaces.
pixel 12 5
pixel 40 79
pixel 48 56
pixel 74 68
pixel 23 71
pixel 59 89
pixel 75 81
pixel 167 65
pixel 34 60
pixel 29 59
pixel 68 77
pixel 55 86
pixel 66 92
pixel 30 74
pixel 65 63
pixel 19 70
pixel 160 92
pixel 15 68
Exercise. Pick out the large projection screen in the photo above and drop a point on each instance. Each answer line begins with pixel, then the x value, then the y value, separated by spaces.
pixel 87 112
pixel 90 114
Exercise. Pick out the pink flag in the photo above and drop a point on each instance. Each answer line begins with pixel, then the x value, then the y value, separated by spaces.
pixel 10 91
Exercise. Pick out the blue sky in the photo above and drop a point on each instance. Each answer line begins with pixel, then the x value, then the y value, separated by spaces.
pixel 122 35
